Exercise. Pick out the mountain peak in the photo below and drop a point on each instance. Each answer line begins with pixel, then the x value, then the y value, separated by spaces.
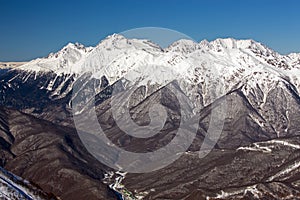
pixel 116 45
pixel 112 39
pixel 68 48
pixel 75 45
pixel 203 43
pixel 222 44
pixel 183 45
pixel 115 36
pixel 117 41
pixel 231 43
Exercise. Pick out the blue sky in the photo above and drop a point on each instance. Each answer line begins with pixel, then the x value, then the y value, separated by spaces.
pixel 33 28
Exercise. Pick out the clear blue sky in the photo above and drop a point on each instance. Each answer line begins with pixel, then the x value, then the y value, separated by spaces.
pixel 33 28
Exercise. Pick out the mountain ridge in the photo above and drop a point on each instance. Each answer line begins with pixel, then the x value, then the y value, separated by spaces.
pixel 191 46
pixel 259 86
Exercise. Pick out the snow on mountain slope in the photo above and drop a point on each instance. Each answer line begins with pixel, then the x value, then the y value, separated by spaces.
pixel 112 48
pixel 262 85
pixel 234 55
pixel 231 62
pixel 14 187
pixel 222 64
pixel 71 58
pixel 183 46
pixel 60 62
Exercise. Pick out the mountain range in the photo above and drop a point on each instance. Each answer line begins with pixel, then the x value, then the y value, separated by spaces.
pixel 256 155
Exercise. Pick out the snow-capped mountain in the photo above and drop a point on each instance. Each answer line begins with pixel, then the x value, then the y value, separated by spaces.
pixel 183 46
pixel 200 68
pixel 260 86
pixel 70 59
pixel 116 55
pixel 59 62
